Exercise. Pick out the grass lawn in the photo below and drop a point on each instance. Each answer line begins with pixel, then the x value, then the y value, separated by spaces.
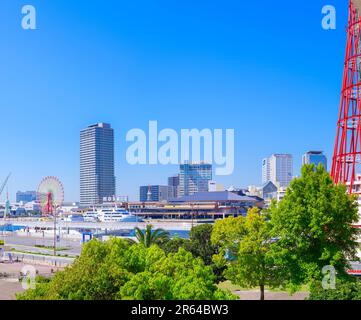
pixel 41 254
pixel 51 247
pixel 227 285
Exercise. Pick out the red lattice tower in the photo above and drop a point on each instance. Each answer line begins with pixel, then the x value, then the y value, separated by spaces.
pixel 346 163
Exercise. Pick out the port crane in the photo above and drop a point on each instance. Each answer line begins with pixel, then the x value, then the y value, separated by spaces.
pixel 7 209
pixel 4 183
pixel 7 205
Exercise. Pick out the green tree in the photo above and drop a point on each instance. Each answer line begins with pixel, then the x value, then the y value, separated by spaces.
pixel 313 224
pixel 245 244
pixel 150 236
pixel 174 244
pixel 116 269
pixel 345 290
pixel 200 245
pixel 172 277
pixel 200 242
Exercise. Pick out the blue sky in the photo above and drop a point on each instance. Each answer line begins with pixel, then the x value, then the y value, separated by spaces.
pixel 265 68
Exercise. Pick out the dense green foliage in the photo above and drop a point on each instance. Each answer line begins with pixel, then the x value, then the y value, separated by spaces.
pixel 245 244
pixel 289 245
pixel 173 245
pixel 345 290
pixel 313 224
pixel 200 242
pixel 117 269
pixel 200 245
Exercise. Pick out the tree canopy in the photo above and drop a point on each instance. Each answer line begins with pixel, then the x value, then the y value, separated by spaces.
pixel 200 245
pixel 313 225
pixel 288 245
pixel 117 269
pixel 344 290
pixel 246 251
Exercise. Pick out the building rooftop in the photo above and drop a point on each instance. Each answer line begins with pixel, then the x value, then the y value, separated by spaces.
pixel 314 152
pixel 267 183
pixel 99 125
pixel 213 196
pixel 282 155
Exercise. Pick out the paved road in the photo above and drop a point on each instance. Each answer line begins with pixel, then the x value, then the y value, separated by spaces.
pixel 270 295
pixel 28 244
pixel 10 286
pixel 8 289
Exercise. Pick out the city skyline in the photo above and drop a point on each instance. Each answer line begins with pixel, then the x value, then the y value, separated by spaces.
pixel 71 75
pixel 177 175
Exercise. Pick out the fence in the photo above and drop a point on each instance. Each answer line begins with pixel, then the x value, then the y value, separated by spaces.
pixel 53 261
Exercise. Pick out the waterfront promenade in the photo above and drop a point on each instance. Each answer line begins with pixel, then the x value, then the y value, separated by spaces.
pixel 175 225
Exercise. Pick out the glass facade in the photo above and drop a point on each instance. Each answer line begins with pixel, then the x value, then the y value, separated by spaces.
pixel 194 178
pixel 153 193
pixel 314 157
pixel 173 183
pixel 26 197
pixel 97 179
pixel 278 168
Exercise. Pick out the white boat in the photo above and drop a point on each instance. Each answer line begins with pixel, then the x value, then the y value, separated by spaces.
pixel 115 215
pixel 74 218
pixel 91 216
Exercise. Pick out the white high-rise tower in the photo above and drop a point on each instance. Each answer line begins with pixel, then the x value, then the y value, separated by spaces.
pixel 278 168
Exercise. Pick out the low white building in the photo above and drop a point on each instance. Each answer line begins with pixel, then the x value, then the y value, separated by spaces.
pixel 69 207
pixel 32 206
pixel 357 190
pixel 281 192
pixel 213 186
pixel 254 191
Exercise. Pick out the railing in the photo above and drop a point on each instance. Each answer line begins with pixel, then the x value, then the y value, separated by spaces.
pixel 53 261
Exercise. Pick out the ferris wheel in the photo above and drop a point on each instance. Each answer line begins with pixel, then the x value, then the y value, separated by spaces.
pixel 50 195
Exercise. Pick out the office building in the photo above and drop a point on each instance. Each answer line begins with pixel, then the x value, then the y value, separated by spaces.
pixel 266 174
pixel 314 157
pixel 25 197
pixel 97 179
pixel 278 169
pixel 173 183
pixel 269 191
pixel 193 178
pixel 153 193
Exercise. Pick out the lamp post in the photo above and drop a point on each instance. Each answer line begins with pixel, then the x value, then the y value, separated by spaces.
pixel 50 195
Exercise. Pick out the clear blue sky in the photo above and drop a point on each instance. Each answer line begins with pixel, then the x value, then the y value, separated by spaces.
pixel 265 68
